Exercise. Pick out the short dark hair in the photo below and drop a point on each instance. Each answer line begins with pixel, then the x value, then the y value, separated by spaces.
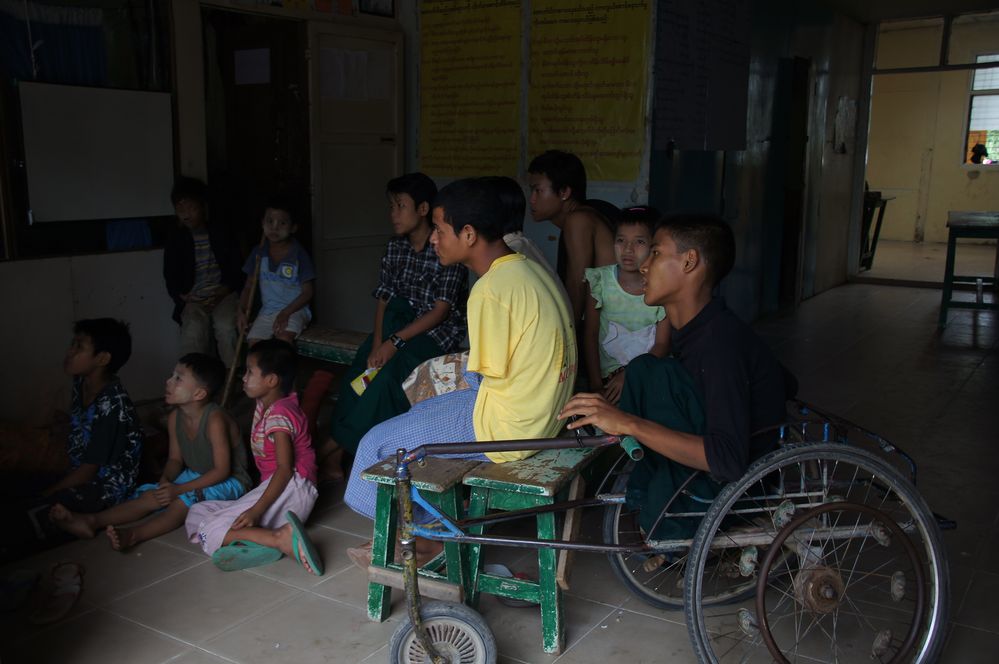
pixel 107 335
pixel 474 203
pixel 511 197
pixel 277 357
pixel 418 185
pixel 639 215
pixel 709 234
pixel 282 202
pixel 193 189
pixel 564 169
pixel 207 370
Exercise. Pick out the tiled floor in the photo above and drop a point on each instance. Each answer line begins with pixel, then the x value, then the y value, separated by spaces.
pixel 871 353
pixel 925 261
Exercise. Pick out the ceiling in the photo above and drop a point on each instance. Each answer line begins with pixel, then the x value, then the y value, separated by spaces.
pixel 871 11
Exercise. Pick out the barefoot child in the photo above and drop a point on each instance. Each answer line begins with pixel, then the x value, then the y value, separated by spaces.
pixel 102 451
pixel 619 326
pixel 266 523
pixel 206 462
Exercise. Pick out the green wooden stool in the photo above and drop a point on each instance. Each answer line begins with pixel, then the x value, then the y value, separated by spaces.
pixel 439 482
pixel 538 480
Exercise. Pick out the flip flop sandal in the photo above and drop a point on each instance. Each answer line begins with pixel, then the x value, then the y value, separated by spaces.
pixel 62 589
pixel 15 588
pixel 302 546
pixel 241 554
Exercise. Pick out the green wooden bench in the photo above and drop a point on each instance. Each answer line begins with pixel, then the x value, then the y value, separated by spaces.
pixel 329 344
pixel 439 482
pixel 543 479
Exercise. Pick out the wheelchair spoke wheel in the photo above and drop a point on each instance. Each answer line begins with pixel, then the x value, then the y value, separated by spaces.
pixel 856 566
pixel 846 557
pixel 458 633
pixel 658 577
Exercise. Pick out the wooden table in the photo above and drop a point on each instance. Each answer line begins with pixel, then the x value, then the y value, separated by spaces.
pixel 981 225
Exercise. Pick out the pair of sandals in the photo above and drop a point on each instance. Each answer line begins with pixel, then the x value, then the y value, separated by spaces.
pixel 49 601
pixel 242 554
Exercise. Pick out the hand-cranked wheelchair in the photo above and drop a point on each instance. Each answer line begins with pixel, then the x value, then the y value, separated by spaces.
pixel 822 551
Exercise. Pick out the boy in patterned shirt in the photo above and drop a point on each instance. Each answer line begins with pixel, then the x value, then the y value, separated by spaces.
pixel 105 440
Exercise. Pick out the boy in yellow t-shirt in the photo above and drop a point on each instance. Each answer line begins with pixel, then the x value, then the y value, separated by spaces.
pixel 522 358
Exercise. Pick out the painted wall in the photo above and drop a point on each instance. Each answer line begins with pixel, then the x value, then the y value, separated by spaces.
pixel 917 136
pixel 543 233
pixel 49 294
pixel 747 187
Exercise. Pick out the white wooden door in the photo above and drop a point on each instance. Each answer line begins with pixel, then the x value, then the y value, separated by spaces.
pixel 356 144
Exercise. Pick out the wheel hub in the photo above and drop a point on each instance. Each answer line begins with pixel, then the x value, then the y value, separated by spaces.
pixel 820 590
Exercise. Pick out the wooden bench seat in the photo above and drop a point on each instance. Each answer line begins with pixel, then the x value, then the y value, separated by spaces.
pixel 329 344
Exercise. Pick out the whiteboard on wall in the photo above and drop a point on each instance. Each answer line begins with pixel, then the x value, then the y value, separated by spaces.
pixel 96 153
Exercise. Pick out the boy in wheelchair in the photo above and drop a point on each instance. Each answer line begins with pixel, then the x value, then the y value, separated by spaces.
pixel 698 408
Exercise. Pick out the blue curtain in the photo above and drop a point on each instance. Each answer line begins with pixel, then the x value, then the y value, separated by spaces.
pixel 70 44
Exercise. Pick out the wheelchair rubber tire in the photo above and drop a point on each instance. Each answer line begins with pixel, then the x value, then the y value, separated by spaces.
pixel 626 566
pixel 935 615
pixel 454 627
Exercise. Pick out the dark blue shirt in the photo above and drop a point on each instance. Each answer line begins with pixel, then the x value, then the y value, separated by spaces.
pixel 741 385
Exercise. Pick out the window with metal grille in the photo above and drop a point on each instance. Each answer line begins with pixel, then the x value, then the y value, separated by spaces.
pixel 983 115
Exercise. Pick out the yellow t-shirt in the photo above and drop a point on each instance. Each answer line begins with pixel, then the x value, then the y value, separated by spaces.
pixel 522 341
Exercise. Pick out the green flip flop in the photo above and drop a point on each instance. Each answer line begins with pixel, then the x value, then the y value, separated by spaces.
pixel 299 536
pixel 240 554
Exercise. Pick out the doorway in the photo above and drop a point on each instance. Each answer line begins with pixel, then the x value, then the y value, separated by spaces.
pixel 257 118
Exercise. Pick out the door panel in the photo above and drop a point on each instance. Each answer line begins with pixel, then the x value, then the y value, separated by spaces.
pixel 357 129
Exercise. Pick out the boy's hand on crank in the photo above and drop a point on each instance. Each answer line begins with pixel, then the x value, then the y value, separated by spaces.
pixel 595 409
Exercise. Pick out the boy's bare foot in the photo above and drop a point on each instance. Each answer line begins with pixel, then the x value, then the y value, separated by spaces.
pixel 426 550
pixel 121 538
pixel 75 524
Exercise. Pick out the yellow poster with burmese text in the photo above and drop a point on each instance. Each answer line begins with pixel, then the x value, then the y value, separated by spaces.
pixel 470 73
pixel 588 71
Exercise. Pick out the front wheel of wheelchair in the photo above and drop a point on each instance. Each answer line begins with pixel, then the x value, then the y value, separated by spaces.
pixel 849 563
pixel 657 578
pixel 457 632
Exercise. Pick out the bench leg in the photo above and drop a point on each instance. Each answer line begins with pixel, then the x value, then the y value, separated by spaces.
pixel 948 285
pixel 552 623
pixel 477 506
pixel 455 555
pixel 382 551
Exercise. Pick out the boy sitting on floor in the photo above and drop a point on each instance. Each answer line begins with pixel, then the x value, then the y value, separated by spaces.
pixel 699 408
pixel 105 440
pixel 206 462
pixel 522 357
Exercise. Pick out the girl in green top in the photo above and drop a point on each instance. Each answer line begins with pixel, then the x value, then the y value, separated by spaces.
pixel 618 325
